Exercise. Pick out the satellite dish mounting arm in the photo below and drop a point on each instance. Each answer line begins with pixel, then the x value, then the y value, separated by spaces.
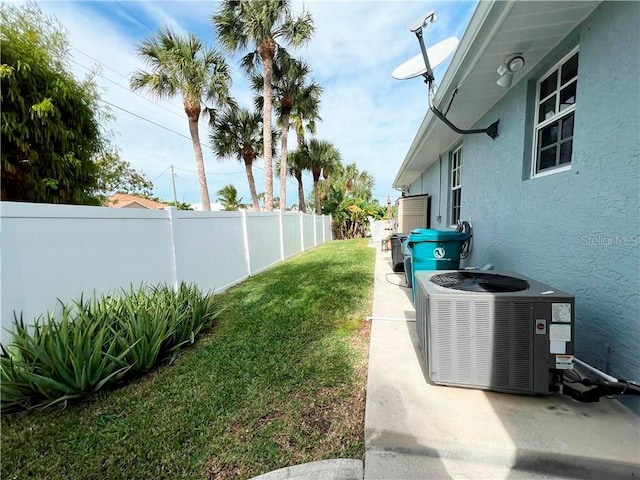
pixel 491 130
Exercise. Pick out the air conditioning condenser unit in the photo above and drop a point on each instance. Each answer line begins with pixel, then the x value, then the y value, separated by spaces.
pixel 493 330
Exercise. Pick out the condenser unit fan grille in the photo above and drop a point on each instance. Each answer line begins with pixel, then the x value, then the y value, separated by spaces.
pixel 480 282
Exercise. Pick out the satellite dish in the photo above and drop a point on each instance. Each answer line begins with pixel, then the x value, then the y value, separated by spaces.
pixel 415 66
pixel 423 22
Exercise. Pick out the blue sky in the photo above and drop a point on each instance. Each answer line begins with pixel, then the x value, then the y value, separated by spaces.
pixel 368 115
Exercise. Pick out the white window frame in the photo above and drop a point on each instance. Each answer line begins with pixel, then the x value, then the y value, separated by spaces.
pixel 456 156
pixel 557 116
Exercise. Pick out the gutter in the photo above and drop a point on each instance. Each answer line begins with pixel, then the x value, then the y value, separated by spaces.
pixel 487 18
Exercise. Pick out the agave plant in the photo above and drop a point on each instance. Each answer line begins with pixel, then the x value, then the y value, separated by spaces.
pixel 191 312
pixel 61 359
pixel 95 343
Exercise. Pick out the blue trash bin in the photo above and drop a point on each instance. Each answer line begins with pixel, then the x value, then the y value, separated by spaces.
pixel 434 250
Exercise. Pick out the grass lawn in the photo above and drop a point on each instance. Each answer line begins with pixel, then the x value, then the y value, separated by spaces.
pixel 279 380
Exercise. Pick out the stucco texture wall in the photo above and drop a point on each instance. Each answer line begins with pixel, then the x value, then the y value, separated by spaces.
pixel 577 230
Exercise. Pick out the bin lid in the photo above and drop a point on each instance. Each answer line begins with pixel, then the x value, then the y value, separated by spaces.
pixel 400 235
pixel 404 248
pixel 426 235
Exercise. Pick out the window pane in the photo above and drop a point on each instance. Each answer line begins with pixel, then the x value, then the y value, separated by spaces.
pixel 568 96
pixel 548 85
pixel 456 199
pixel 547 158
pixel 547 109
pixel 570 69
pixel 549 135
pixel 567 127
pixel 565 152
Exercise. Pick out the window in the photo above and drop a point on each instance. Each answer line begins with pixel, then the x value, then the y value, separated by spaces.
pixel 555 106
pixel 456 185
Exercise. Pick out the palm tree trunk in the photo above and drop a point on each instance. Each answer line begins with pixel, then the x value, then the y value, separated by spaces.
pixel 327 186
pixel 283 162
pixel 299 136
pixel 252 184
pixel 317 195
pixel 197 149
pixel 301 202
pixel 266 54
pixel 300 139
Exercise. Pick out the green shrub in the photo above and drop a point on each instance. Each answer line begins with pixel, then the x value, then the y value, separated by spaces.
pixel 97 343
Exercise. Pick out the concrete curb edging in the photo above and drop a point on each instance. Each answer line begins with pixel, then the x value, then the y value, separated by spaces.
pixel 338 469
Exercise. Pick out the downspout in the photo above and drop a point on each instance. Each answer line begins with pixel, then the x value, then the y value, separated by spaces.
pixel 439 218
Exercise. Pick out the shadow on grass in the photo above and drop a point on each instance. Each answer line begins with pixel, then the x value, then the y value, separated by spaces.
pixel 277 382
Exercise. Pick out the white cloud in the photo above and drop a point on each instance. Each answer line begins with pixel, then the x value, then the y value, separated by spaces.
pixel 369 116
pixel 161 18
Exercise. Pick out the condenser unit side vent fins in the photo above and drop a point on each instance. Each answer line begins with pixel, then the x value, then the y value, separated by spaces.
pixel 483 341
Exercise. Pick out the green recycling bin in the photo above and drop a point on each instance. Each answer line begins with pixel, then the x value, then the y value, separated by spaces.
pixel 434 250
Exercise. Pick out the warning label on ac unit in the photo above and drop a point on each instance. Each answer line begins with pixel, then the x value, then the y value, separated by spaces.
pixel 564 362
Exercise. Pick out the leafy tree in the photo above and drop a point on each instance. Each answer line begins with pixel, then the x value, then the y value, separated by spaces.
pixel 117 176
pixel 178 205
pixel 228 197
pixel 50 121
pixel 182 65
pixel 350 214
pixel 260 24
pixel 348 199
pixel 238 133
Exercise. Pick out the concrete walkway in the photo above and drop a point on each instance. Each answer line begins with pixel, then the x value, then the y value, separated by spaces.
pixel 414 430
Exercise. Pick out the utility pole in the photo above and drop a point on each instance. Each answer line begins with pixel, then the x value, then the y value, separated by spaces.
pixel 173 181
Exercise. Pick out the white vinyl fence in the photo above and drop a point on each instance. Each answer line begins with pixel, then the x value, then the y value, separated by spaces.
pixel 51 252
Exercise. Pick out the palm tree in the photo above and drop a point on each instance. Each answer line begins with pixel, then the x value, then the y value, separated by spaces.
pixel 353 183
pixel 289 88
pixel 228 197
pixel 332 168
pixel 240 23
pixel 357 183
pixel 238 133
pixel 303 107
pixel 306 111
pixel 181 64
pixel 299 162
pixel 364 185
pixel 350 177
pixel 321 154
